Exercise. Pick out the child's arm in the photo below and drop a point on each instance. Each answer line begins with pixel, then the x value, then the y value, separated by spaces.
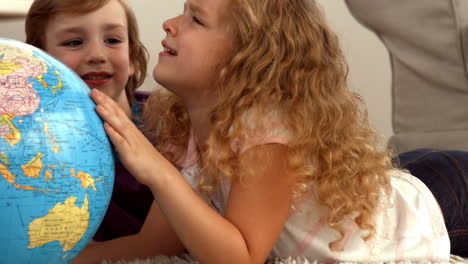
pixel 256 211
pixel 155 238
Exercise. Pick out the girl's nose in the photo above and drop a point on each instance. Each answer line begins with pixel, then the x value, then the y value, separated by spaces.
pixel 170 26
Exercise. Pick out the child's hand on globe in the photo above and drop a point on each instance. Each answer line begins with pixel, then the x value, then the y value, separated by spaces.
pixel 135 151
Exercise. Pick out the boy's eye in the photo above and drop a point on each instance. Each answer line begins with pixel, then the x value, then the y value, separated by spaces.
pixel 72 43
pixel 113 41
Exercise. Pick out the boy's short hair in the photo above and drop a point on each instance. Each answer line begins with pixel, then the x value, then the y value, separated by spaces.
pixel 41 11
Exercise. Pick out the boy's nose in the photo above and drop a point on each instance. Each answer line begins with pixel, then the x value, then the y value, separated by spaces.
pixel 96 54
pixel 96 59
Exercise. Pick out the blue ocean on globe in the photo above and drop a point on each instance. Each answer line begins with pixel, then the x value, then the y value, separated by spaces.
pixel 56 161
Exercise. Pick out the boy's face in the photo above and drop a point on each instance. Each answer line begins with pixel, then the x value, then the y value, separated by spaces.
pixel 195 48
pixel 95 45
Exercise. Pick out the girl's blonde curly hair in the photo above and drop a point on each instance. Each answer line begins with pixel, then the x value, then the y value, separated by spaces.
pixel 287 59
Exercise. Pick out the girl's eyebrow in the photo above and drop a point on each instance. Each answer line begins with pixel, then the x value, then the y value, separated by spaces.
pixel 195 8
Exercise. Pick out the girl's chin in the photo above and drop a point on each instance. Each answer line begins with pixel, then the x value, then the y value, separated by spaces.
pixel 159 80
pixel 157 74
pixel 163 79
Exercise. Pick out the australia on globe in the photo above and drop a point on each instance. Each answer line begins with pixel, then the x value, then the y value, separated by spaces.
pixel 56 162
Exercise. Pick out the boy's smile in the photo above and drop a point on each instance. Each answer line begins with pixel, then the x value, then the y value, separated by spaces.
pixel 93 79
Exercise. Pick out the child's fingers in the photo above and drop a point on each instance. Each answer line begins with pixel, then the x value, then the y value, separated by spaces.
pixel 109 110
pixel 111 125
pixel 117 140
pixel 101 98
pixel 97 96
pixel 109 114
pixel 118 126
pixel 106 102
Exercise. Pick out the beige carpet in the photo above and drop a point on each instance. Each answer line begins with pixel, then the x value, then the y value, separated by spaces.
pixel 189 260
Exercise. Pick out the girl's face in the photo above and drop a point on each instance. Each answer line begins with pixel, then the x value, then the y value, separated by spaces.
pixel 195 49
pixel 94 45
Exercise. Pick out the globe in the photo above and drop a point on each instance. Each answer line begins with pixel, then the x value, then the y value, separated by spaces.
pixel 56 162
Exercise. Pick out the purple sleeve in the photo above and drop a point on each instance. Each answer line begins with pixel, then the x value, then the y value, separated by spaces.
pixel 130 201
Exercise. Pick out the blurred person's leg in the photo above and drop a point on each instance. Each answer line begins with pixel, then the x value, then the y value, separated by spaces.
pixel 445 173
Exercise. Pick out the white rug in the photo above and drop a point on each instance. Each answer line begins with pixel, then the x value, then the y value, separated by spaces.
pixel 189 260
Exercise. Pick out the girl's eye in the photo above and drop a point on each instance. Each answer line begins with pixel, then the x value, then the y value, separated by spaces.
pixel 113 41
pixel 196 20
pixel 72 43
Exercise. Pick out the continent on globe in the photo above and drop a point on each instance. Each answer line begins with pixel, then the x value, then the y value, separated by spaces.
pixel 7 68
pixel 65 223
pixel 8 130
pixel 18 98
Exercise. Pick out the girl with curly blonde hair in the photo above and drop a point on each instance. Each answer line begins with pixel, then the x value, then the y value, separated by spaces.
pixel 276 154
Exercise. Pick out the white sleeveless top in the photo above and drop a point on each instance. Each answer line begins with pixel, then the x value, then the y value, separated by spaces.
pixel 409 223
